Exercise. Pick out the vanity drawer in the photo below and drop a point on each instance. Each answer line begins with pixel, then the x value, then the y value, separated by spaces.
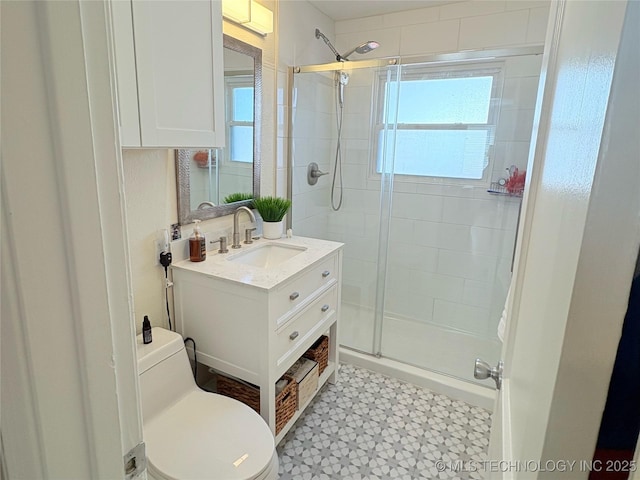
pixel 300 328
pixel 297 292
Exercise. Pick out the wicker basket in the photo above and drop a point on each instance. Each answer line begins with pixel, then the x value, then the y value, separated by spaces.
pixel 286 403
pixel 245 392
pixel 319 352
pixel 286 400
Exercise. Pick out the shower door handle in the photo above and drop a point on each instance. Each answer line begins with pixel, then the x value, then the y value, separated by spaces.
pixel 313 173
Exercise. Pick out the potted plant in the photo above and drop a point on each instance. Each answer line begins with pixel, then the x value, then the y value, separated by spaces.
pixel 272 210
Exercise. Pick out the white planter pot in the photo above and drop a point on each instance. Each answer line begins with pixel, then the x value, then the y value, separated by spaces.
pixel 272 230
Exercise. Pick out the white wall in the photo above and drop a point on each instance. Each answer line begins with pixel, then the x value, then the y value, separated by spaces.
pixel 151 202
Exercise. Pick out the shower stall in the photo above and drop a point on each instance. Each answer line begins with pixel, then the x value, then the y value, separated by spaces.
pixel 423 154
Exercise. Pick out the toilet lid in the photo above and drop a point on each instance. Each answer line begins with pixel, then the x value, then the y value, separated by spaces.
pixel 204 436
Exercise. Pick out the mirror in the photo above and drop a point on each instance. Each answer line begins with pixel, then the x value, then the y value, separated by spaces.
pixel 209 179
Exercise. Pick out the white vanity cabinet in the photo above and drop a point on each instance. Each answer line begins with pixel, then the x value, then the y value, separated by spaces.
pixel 169 71
pixel 254 323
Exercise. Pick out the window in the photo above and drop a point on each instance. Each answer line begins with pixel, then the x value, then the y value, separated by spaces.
pixel 239 104
pixel 445 120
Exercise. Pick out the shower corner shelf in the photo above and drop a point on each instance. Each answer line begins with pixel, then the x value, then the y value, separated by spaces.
pixel 497 189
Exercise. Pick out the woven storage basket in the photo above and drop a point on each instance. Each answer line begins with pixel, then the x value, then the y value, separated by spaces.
pixel 319 352
pixel 286 403
pixel 286 400
pixel 245 392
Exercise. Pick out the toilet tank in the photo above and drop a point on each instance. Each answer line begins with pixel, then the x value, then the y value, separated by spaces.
pixel 164 372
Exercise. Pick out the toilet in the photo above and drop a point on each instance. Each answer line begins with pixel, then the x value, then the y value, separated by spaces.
pixel 191 434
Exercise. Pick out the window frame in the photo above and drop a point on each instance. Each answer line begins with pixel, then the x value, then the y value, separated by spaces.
pixel 423 71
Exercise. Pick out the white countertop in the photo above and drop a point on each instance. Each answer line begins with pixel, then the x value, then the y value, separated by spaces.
pixel 218 265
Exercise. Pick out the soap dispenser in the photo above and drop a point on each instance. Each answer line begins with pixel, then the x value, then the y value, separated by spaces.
pixel 197 244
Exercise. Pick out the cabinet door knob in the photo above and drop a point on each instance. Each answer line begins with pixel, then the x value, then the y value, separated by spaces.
pixel 294 335
pixel 326 273
pixel 293 296
pixel 325 307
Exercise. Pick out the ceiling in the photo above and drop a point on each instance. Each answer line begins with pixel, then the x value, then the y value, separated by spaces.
pixel 348 9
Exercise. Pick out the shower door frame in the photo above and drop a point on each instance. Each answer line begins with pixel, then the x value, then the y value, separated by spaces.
pixel 383 234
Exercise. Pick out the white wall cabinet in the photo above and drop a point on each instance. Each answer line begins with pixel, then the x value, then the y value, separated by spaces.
pixel 169 70
pixel 256 334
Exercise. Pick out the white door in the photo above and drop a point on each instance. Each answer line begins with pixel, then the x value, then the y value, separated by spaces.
pixel 578 245
pixel 69 385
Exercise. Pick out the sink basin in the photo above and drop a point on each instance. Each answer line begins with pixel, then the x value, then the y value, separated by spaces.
pixel 267 256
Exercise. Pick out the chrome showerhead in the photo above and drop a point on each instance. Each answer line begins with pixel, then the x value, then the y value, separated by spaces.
pixel 366 47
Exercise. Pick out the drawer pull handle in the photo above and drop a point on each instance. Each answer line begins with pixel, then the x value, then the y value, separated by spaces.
pixel 294 335
pixel 326 273
pixel 325 307
pixel 293 296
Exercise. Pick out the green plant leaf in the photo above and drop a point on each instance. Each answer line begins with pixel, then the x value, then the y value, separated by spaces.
pixel 272 209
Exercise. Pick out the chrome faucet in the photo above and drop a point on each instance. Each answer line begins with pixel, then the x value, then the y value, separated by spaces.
pixel 236 233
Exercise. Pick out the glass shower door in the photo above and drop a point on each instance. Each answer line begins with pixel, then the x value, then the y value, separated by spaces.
pixel 460 127
pixel 317 117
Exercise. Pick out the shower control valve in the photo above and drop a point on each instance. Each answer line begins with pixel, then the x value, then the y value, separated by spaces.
pixel 313 173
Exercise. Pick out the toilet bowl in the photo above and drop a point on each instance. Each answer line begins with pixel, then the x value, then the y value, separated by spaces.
pixel 191 434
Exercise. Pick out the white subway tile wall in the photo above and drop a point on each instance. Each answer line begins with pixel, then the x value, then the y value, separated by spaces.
pixel 434 37
pixel 409 17
pixel 537 28
pixel 472 9
pixel 449 28
pixel 500 29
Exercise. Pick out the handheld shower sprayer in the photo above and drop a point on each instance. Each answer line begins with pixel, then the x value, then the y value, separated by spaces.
pixel 342 78
pixel 366 47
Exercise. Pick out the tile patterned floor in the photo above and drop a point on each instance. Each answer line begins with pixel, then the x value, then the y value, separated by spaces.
pixel 369 427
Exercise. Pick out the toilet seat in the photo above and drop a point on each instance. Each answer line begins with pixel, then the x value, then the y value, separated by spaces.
pixel 209 436
pixel 269 473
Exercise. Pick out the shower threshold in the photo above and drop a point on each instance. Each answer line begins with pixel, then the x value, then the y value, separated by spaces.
pixel 471 393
